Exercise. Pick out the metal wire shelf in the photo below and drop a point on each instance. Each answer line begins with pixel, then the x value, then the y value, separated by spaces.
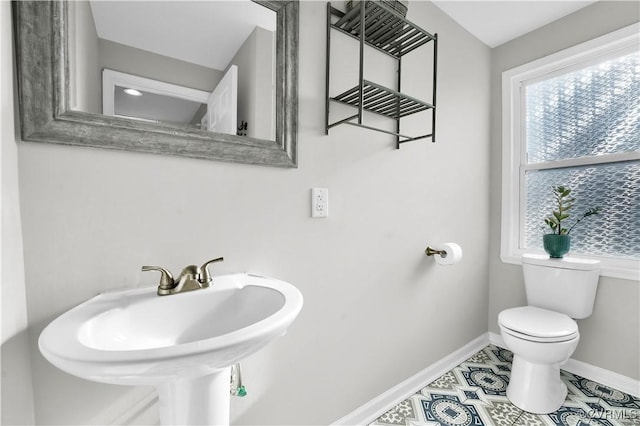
pixel 379 26
pixel 382 101
pixel 385 29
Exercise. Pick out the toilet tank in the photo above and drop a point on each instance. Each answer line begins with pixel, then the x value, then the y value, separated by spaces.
pixel 566 285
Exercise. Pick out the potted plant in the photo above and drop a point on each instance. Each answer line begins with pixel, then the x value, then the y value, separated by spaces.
pixel 558 242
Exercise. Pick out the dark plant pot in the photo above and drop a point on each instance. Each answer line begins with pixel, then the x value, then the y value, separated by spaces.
pixel 556 245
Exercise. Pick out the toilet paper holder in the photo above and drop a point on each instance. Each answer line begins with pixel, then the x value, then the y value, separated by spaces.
pixel 429 251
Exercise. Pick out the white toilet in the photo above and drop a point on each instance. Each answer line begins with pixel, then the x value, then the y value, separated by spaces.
pixel 543 335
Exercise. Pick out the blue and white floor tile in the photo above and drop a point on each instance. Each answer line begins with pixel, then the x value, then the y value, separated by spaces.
pixel 474 394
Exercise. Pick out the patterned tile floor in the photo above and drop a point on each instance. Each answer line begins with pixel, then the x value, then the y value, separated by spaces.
pixel 474 394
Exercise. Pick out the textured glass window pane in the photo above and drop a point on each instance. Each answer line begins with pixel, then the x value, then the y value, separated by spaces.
pixel 592 111
pixel 613 187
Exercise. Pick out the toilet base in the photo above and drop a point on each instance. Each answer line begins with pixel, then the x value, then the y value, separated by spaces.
pixel 536 388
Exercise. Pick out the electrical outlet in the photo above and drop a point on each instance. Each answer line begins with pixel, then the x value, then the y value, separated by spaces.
pixel 319 202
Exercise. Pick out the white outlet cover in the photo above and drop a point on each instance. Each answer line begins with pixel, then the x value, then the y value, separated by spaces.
pixel 319 202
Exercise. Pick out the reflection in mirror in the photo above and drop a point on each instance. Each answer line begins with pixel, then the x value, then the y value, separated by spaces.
pixel 224 49
pixel 146 106
pixel 60 58
pixel 139 98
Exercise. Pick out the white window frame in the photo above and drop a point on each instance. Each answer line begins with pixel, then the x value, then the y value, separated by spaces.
pixel 514 163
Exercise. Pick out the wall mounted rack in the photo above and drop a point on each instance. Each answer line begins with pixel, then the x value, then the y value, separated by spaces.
pixel 377 25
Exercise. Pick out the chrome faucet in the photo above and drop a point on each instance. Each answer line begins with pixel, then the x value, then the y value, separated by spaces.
pixel 192 277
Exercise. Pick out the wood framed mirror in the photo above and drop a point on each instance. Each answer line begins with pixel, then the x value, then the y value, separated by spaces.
pixel 42 57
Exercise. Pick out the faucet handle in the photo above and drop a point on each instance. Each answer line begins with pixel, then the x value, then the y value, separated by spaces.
pixel 166 279
pixel 206 277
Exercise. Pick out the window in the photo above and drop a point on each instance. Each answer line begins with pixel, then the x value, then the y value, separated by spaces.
pixel 573 119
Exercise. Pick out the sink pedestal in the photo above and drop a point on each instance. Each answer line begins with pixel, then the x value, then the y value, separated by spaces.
pixel 196 401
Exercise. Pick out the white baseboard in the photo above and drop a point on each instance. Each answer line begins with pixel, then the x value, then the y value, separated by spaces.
pixel 591 372
pixel 376 407
pixel 606 377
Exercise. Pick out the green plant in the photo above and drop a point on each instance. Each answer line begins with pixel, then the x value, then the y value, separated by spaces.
pixel 564 203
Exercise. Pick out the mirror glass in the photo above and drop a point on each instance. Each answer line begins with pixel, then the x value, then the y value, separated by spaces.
pixel 142 105
pixel 207 65
pixel 208 79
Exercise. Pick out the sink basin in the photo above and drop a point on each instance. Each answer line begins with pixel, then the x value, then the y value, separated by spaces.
pixel 180 343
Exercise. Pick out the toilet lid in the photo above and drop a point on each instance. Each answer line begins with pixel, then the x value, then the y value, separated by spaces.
pixel 538 324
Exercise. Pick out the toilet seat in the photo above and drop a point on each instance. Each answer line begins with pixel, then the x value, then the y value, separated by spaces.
pixel 538 325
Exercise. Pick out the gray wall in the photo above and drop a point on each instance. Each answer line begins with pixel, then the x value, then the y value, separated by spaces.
pixel 130 60
pixel 16 405
pixel 256 73
pixel 610 337
pixel 373 301
pixel 83 59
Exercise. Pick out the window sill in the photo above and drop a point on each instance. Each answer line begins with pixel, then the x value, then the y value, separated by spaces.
pixel 627 269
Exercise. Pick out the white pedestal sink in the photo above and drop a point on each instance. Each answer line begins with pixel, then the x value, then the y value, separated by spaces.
pixel 184 344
